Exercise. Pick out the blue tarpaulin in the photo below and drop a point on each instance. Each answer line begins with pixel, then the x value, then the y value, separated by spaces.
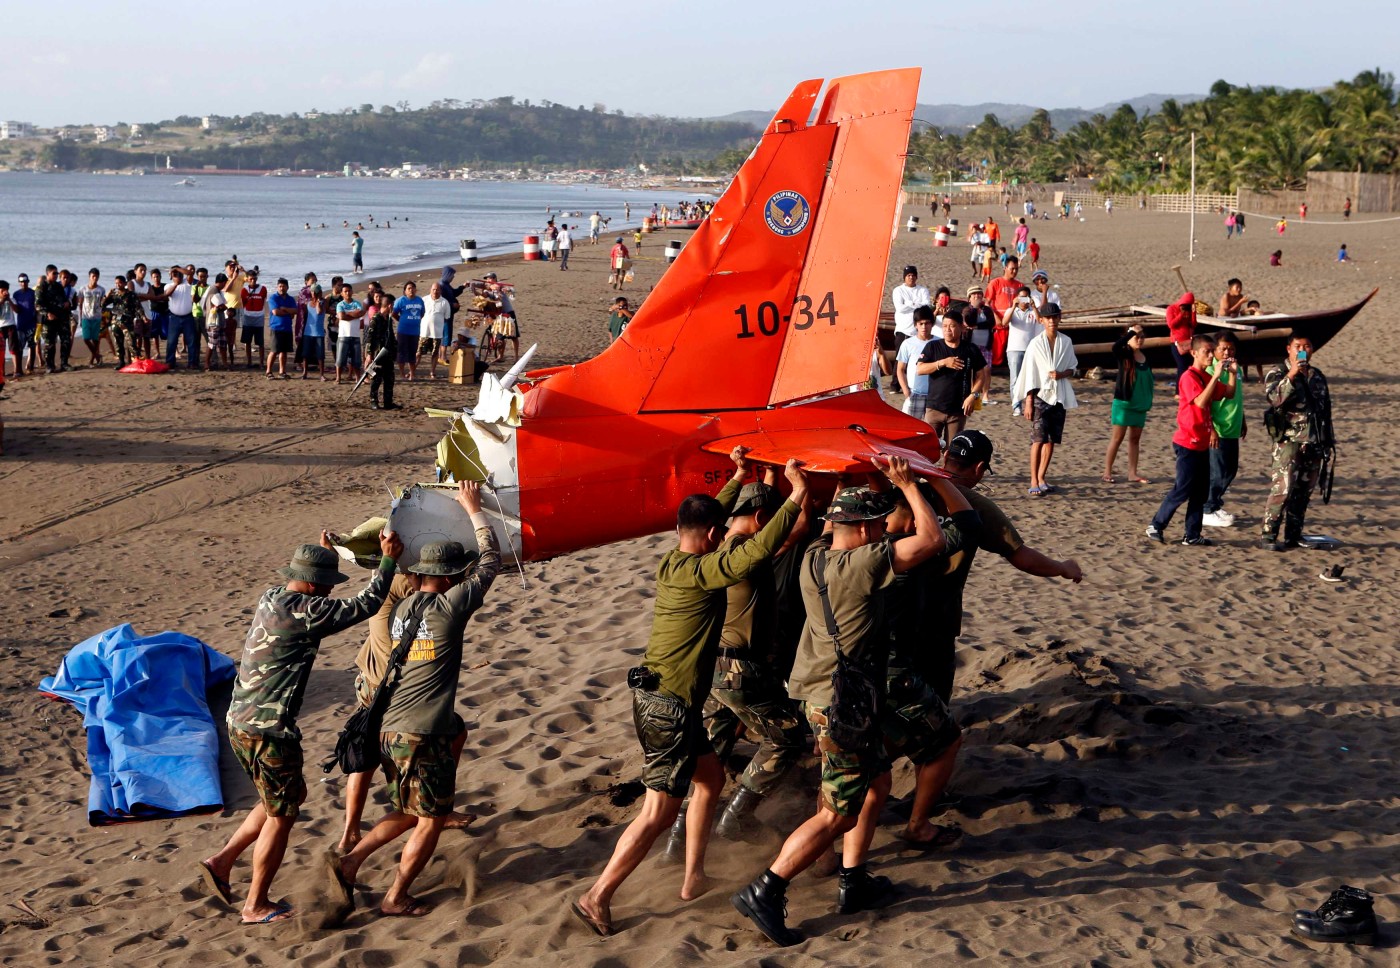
pixel 152 745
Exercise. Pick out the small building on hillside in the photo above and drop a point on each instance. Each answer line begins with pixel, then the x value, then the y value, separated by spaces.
pixel 211 122
pixel 10 130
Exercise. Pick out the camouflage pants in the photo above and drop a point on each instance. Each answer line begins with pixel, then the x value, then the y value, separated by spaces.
pixel 915 720
pixel 274 764
pixel 128 344
pixel 846 775
pixel 744 696
pixel 421 772
pixel 1292 479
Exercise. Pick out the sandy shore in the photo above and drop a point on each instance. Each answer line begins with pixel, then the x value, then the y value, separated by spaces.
pixel 1161 764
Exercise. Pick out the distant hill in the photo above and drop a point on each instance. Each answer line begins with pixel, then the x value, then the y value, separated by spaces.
pixel 955 116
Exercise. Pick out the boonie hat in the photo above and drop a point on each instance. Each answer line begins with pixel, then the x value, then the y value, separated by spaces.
pixel 314 564
pixel 971 447
pixel 853 505
pixel 974 291
pixel 757 497
pixel 444 558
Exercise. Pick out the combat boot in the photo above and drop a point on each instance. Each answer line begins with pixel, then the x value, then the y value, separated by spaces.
pixel 859 890
pixel 738 822
pixel 1347 916
pixel 764 902
pixel 674 851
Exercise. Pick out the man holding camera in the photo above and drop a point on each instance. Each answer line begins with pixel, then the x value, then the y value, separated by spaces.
pixel 670 687
pixel 1299 421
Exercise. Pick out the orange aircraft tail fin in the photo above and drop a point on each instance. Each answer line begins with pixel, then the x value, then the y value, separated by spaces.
pixel 776 297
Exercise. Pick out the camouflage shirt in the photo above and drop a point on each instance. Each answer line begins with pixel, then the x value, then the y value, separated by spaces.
pixel 124 306
pixel 281 646
pixel 1304 403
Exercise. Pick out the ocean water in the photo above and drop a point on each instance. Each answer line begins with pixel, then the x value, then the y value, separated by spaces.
pixel 79 221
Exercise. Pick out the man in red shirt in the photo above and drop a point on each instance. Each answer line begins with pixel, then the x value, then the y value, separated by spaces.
pixel 1181 324
pixel 1196 391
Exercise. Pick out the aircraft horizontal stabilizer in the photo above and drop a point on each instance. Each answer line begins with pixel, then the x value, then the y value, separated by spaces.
pixel 844 451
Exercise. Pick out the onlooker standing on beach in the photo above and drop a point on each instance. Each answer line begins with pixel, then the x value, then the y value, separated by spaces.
pixel 253 302
pixel 566 242
pixel 180 320
pixel 619 259
pixel 90 316
pixel 9 332
pixel 1197 390
pixel 159 304
pixel 282 307
pixel 1346 208
pixel 913 385
pixel 381 351
pixel 313 335
pixel 1132 398
pixel 618 318
pixel 357 253
pixel 956 374
pixel 595 224
pixel 55 314
pixel 1301 428
pixel 26 323
pixel 349 311
pixel 1046 394
pixel 1228 428
pixel 1022 324
pixel 408 314
pixel 907 297
pixel 128 320
pixel 435 313
pixel 216 315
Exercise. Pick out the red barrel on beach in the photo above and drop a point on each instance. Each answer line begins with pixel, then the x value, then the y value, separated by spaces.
pixel 940 237
pixel 532 248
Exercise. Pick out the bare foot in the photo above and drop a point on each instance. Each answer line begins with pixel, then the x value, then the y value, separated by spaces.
pixel 695 887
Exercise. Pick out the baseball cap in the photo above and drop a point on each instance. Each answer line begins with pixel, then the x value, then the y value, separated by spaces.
pixel 971 447
pixel 853 505
pixel 1049 308
pixel 757 497
pixel 911 270
pixel 23 277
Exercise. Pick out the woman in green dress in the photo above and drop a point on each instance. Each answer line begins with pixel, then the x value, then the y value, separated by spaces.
pixel 1132 398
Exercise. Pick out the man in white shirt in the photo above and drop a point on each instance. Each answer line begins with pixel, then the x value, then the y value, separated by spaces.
pixel 915 386
pixel 436 309
pixel 181 319
pixel 566 242
pixel 594 224
pixel 1041 291
pixel 906 299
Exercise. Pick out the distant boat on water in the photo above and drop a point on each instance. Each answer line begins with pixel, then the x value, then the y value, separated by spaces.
pixel 186 181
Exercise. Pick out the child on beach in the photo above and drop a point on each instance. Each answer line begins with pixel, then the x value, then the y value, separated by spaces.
pixel 1281 226
pixel 1342 254
pixel 1276 257
pixel 987 264
pixel 637 239
pixel 1035 254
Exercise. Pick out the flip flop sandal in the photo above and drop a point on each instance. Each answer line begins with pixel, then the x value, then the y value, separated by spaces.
pixel 216 884
pixel 596 925
pixel 281 912
pixel 1333 575
pixel 415 909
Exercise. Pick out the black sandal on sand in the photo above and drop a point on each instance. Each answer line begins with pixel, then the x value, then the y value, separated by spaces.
pixel 415 909
pixel 599 927
pixel 282 911
pixel 1333 575
pixel 945 837
pixel 216 884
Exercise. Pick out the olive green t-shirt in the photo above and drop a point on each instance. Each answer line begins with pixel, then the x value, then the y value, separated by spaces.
pixel 854 577
pixel 751 613
pixel 996 534
pixel 690 604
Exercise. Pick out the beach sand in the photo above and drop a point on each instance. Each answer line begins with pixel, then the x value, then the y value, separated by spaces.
pixel 1160 764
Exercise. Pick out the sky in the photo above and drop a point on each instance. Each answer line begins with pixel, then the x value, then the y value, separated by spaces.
pixel 663 57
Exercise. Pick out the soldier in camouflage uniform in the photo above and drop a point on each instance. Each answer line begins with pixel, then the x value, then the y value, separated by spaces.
pixel 288 626
pixel 747 692
pixel 844 585
pixel 1299 422
pixel 125 308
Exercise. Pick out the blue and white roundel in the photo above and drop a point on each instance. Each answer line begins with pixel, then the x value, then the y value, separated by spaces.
pixel 786 213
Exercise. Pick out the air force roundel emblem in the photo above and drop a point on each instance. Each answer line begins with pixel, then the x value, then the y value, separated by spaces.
pixel 787 213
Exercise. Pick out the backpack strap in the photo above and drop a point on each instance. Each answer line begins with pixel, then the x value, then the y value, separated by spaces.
pixel 819 572
pixel 398 657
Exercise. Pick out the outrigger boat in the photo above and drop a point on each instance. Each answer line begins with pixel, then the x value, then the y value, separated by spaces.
pixel 1263 339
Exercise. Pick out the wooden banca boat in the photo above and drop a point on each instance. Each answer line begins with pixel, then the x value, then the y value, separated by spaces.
pixel 1263 339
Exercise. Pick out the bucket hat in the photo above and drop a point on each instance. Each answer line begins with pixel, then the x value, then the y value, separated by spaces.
pixel 853 505
pixel 314 564
pixel 444 558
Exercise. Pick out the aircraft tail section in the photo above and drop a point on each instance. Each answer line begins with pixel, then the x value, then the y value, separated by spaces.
pixel 776 296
